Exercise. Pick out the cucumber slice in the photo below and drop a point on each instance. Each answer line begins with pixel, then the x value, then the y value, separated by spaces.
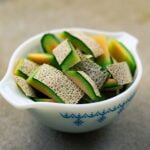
pixel 53 83
pixel 84 43
pixel 25 68
pixel 25 87
pixel 66 55
pixel 49 42
pixel 85 83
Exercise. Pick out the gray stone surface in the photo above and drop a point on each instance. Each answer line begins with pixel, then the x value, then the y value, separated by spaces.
pixel 21 19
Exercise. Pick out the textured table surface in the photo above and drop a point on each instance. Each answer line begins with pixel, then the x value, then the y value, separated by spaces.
pixel 21 19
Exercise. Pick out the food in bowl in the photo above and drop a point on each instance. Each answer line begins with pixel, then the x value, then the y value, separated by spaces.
pixel 76 68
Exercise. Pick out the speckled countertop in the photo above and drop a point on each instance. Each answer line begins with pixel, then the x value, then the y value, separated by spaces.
pixel 21 19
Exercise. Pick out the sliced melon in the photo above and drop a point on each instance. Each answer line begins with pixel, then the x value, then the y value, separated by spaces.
pixel 121 53
pixel 25 87
pixel 121 73
pixel 110 83
pixel 115 89
pixel 109 94
pixel 53 83
pixel 49 42
pixel 105 59
pixel 44 100
pixel 84 43
pixel 87 99
pixel 88 56
pixel 83 56
pixel 66 55
pixel 43 58
pixel 25 68
pixel 85 83
pixel 113 60
pixel 94 71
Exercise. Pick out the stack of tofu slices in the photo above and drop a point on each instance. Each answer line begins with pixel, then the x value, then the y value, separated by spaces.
pixel 75 68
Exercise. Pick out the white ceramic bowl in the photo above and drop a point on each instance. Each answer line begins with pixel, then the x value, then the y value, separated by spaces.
pixel 73 118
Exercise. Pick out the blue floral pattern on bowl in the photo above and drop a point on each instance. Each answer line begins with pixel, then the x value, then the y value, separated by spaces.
pixel 100 116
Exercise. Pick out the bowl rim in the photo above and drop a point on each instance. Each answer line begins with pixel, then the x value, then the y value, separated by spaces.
pixel 86 30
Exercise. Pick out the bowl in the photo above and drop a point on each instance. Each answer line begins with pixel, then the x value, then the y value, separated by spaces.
pixel 73 118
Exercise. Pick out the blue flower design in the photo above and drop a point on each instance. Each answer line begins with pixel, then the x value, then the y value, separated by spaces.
pixel 79 119
pixel 78 122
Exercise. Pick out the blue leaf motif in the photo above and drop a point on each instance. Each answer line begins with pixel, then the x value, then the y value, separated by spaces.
pixel 100 116
pixel 78 122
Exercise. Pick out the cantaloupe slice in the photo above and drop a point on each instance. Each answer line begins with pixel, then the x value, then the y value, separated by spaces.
pixel 43 58
pixel 83 42
pixel 105 59
pixel 110 83
pixel 25 87
pixel 44 100
pixel 121 73
pixel 49 41
pixel 121 53
pixel 53 83
pixel 82 80
pixel 66 55
pixel 25 68
pixel 93 70
pixel 84 56
pixel 114 61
